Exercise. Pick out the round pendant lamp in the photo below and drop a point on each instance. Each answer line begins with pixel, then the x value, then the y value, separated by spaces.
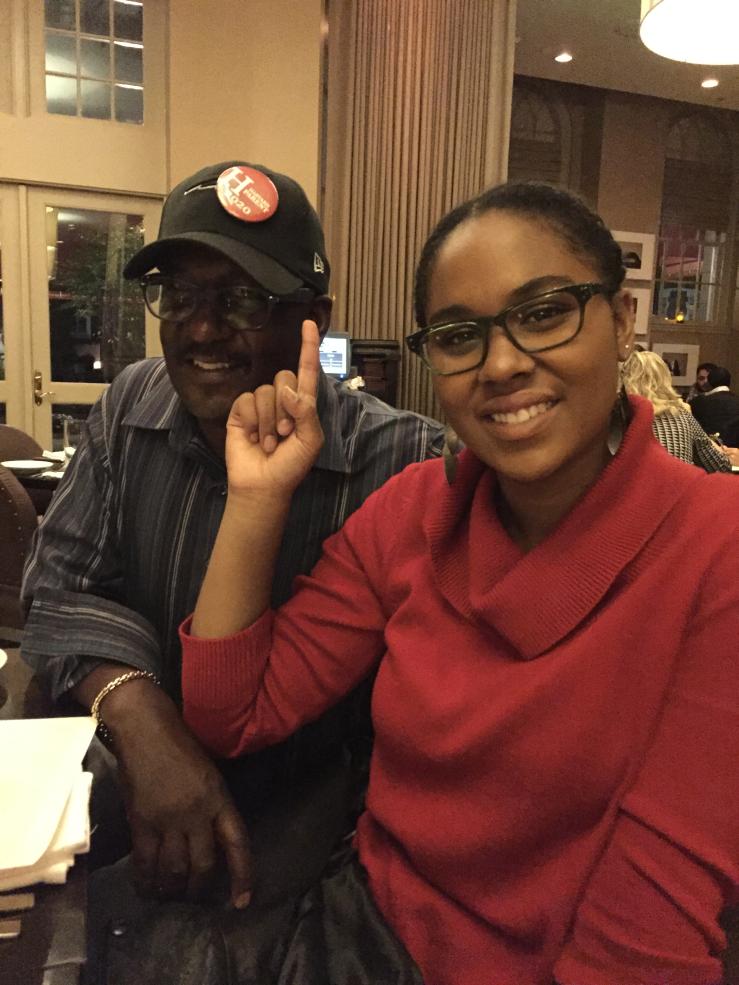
pixel 703 32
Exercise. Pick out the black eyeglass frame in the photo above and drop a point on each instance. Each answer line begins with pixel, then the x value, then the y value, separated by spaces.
pixel 581 292
pixel 303 295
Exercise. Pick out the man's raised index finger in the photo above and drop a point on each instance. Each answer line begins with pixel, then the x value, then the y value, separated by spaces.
pixel 310 362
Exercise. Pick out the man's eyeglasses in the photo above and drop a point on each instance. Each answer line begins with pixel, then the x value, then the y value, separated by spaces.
pixel 241 308
pixel 538 325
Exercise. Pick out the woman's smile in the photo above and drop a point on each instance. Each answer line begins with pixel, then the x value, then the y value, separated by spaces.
pixel 519 416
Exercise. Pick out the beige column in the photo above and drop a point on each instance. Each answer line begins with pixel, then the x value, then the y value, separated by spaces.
pixel 244 83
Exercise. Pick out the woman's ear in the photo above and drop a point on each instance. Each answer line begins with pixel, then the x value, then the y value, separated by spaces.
pixel 320 312
pixel 622 306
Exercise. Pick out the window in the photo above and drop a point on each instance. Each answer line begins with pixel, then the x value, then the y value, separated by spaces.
pixel 94 59
pixel 689 266
pixel 96 316
pixel 695 219
pixel 535 152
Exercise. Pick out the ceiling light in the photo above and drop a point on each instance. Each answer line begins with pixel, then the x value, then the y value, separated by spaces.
pixel 565 56
pixel 709 83
pixel 702 32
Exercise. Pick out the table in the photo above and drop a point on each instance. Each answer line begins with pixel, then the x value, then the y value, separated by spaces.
pixel 40 488
pixel 52 945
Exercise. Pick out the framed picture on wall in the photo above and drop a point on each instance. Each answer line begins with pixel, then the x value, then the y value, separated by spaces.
pixel 681 359
pixel 637 250
pixel 642 307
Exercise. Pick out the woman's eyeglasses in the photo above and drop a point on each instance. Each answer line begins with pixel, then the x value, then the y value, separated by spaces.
pixel 241 308
pixel 538 325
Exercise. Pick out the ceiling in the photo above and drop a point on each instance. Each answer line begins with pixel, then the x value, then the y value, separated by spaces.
pixel 603 38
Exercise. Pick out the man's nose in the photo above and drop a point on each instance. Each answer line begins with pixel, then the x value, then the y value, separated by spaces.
pixel 205 324
pixel 503 359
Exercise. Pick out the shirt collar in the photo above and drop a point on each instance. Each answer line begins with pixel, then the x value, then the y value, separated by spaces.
pixel 717 389
pixel 162 410
pixel 333 454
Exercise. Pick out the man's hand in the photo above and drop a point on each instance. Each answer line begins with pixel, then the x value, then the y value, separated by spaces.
pixel 178 806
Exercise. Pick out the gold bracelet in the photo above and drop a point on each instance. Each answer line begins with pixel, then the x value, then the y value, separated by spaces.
pixel 102 728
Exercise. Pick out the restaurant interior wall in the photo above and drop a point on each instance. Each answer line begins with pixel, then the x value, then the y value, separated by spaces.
pixel 222 80
pixel 626 135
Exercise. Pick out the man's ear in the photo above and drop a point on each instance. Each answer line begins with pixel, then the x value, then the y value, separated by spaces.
pixel 319 311
pixel 622 307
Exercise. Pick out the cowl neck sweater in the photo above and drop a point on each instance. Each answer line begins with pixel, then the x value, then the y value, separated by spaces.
pixel 543 720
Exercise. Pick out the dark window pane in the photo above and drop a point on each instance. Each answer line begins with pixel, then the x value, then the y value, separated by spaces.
pixel 128 20
pixel 3 418
pixel 94 17
pixel 96 316
pixel 129 104
pixel 61 53
pixel 95 58
pixel 129 66
pixel 61 95
pixel 95 100
pixel 60 13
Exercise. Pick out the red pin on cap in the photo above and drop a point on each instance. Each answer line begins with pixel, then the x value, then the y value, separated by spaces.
pixel 247 194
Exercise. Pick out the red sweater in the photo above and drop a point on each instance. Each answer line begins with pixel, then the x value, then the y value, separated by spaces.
pixel 554 783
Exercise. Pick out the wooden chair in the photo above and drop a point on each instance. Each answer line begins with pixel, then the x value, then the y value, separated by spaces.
pixel 17 524
pixel 16 444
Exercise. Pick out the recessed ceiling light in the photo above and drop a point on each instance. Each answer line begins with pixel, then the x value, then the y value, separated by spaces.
pixel 709 83
pixel 564 57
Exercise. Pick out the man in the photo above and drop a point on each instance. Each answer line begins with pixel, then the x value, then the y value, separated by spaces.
pixel 701 381
pixel 118 561
pixel 717 408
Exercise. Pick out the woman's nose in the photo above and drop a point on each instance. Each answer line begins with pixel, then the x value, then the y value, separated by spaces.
pixel 503 359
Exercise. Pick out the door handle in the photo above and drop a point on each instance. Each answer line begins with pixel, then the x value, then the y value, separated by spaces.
pixel 38 389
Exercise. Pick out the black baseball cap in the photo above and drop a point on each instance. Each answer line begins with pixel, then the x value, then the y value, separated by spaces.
pixel 282 253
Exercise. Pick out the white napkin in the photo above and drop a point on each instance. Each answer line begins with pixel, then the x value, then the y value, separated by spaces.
pixel 71 838
pixel 43 798
pixel 53 456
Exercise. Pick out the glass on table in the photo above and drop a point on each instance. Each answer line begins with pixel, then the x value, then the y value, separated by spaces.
pixel 73 431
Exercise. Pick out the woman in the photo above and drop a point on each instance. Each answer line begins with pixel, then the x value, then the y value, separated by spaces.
pixel 674 426
pixel 553 788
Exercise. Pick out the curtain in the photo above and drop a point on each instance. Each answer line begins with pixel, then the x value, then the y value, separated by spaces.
pixel 417 120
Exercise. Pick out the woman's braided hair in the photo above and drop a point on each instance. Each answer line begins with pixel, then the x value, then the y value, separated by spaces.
pixel 566 214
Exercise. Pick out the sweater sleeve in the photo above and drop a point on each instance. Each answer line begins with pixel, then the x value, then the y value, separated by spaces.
pixel 650 911
pixel 257 687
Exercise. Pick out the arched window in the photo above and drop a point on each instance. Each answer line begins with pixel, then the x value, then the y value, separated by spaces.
pixel 536 139
pixel 696 196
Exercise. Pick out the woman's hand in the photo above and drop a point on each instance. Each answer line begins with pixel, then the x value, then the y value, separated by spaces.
pixel 273 438
pixel 274 435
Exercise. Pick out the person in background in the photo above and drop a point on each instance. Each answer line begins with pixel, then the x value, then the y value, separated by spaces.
pixel 118 561
pixel 646 375
pixel 717 407
pixel 701 380
pixel 553 792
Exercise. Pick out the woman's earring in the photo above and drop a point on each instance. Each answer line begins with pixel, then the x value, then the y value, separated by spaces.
pixel 620 420
pixel 449 453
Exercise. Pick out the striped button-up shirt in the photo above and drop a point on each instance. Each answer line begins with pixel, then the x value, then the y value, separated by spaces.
pixel 119 559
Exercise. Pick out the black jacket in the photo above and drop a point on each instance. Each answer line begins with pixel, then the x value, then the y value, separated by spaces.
pixel 716 411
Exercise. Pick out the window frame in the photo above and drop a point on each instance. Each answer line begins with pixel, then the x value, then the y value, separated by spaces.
pixel 110 80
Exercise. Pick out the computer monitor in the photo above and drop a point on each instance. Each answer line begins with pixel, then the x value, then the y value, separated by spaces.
pixel 335 354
